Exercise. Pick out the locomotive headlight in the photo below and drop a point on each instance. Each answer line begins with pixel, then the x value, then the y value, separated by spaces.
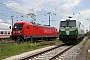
pixel 19 32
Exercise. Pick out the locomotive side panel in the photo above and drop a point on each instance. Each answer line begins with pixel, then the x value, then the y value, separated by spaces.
pixel 26 29
pixel 55 32
pixel 80 30
pixel 37 31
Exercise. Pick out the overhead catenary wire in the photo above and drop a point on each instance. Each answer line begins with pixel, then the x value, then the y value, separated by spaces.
pixel 9 9
pixel 4 12
pixel 40 6
pixel 70 5
pixel 4 6
pixel 44 12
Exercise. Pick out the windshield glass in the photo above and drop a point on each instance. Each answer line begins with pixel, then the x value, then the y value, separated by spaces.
pixel 68 23
pixel 63 23
pixel 72 23
pixel 18 27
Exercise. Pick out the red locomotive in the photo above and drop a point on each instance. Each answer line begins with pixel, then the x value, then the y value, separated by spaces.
pixel 23 31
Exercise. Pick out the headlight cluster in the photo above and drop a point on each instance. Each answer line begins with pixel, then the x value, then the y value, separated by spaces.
pixel 16 32
pixel 19 32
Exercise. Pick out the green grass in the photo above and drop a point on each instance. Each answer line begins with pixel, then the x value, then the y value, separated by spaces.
pixel 14 49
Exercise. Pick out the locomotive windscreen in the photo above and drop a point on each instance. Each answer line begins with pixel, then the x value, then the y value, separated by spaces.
pixel 17 26
pixel 68 23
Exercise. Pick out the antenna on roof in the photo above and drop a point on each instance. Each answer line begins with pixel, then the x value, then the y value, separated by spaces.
pixel 69 17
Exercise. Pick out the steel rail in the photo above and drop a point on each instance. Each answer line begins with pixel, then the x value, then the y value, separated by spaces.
pixel 29 57
pixel 61 53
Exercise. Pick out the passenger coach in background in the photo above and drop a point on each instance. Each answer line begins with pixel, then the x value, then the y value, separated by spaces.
pixel 5 32
pixel 71 31
pixel 24 31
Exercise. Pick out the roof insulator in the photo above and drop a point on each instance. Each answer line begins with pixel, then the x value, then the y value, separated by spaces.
pixel 69 17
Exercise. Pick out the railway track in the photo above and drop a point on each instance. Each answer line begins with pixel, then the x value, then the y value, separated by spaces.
pixel 50 54
pixel 56 52
pixel 6 41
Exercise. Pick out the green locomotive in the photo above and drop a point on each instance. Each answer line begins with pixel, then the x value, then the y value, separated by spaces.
pixel 71 31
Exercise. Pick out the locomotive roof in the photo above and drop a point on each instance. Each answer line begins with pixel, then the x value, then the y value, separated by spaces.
pixel 23 23
pixel 69 19
pixel 33 24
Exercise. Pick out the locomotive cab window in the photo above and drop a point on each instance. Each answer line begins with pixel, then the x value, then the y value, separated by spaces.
pixel 18 27
pixel 72 23
pixel 63 24
pixel 68 23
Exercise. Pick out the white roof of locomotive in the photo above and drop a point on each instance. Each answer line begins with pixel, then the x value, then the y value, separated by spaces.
pixel 69 19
